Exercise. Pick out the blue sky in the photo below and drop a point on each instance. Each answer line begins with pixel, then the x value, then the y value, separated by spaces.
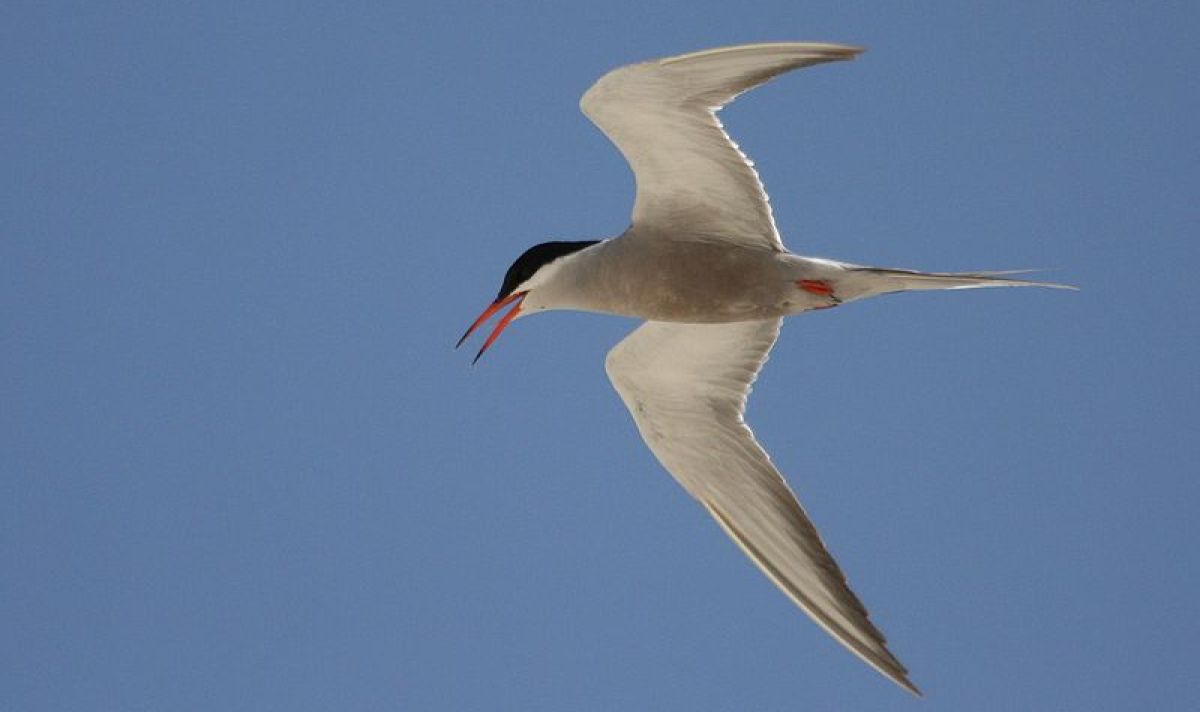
pixel 242 469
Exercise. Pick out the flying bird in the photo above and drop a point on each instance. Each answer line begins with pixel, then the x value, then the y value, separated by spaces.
pixel 703 264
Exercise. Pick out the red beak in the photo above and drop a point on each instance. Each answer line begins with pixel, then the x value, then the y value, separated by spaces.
pixel 496 306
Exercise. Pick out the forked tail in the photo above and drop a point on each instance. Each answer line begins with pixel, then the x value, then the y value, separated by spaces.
pixel 860 282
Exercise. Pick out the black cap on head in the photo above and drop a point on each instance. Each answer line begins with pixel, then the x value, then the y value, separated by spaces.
pixel 535 258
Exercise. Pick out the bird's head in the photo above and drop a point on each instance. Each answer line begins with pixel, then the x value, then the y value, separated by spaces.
pixel 535 267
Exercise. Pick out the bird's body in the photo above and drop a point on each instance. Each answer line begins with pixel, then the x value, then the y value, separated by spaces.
pixel 703 264
pixel 660 279
pixel 647 276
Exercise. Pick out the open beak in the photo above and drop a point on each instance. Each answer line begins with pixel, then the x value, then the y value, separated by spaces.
pixel 496 306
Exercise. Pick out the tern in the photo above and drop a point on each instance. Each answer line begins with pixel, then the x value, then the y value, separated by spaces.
pixel 703 264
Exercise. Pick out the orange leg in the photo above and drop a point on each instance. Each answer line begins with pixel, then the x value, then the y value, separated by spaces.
pixel 816 286
pixel 821 288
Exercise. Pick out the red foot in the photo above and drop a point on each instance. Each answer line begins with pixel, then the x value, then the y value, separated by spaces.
pixel 816 286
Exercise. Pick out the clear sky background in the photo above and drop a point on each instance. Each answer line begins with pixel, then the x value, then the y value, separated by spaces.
pixel 242 469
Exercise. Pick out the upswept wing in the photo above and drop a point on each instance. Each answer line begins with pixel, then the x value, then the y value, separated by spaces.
pixel 686 386
pixel 691 177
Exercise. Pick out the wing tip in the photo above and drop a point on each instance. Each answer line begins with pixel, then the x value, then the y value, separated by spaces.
pixel 820 51
pixel 908 685
pixel 878 656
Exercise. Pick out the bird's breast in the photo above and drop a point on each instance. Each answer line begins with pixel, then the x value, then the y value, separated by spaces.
pixel 686 281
